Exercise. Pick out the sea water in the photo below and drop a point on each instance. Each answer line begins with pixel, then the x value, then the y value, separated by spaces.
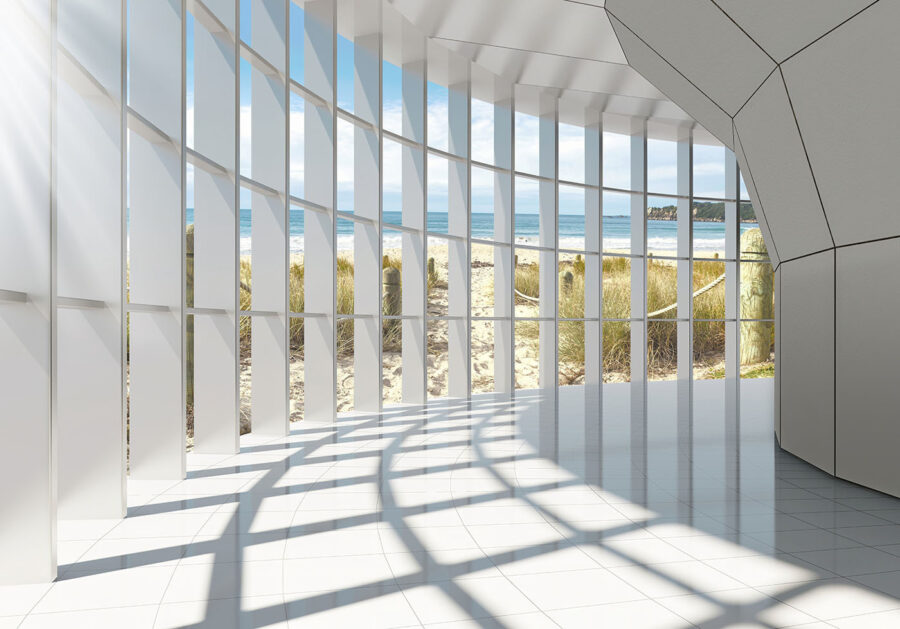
pixel 661 235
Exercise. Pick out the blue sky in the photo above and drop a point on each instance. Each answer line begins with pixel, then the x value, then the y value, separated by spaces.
pixel 709 171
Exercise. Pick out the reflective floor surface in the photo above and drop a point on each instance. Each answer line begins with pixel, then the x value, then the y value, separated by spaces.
pixel 666 510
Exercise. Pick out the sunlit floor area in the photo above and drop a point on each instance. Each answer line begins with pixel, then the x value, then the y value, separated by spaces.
pixel 666 509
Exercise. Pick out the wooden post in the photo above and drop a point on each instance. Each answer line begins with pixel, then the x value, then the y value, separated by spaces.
pixel 757 291
pixel 390 278
pixel 566 282
pixel 432 274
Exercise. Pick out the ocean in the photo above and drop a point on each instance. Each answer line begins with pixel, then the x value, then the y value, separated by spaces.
pixel 661 235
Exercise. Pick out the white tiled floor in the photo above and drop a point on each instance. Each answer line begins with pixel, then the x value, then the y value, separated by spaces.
pixel 537 512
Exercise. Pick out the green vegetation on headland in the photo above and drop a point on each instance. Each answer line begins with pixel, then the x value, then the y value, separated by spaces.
pixel 702 211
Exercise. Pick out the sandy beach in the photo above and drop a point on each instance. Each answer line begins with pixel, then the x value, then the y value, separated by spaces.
pixel 482 339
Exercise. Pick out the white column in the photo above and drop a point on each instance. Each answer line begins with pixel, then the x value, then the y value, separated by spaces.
pixel 27 455
pixel 685 270
pixel 638 388
pixel 216 369
pixel 593 269
pixel 367 204
pixel 156 241
pixel 504 271
pixel 459 354
pixel 269 410
pixel 548 237
pixel 638 140
pixel 318 147
pixel 89 386
pixel 413 216
pixel 732 301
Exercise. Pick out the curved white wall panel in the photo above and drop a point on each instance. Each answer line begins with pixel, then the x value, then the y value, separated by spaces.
pixel 817 140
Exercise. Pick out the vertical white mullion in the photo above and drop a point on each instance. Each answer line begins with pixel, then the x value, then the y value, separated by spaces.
pixel 732 299
pixel 593 274
pixel 269 396
pixel 414 182
pixel 156 240
pixel 685 271
pixel 216 396
pixel 366 199
pixel 548 375
pixel 236 284
pixel 320 362
pixel 459 224
pixel 638 388
pixel 287 212
pixel 504 231
pixel 638 140
pixel 27 454
pixel 87 362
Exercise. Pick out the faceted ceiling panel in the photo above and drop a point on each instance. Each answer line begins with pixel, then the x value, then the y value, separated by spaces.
pixel 784 183
pixel 782 28
pixel 568 29
pixel 862 92
pixel 758 207
pixel 725 65
pixel 674 85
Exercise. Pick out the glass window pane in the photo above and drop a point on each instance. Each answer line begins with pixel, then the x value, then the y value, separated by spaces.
pixel 527 211
pixel 345 164
pixel 483 205
pixel 345 379
pixel 345 230
pixel 709 350
pixel 392 272
pixel 757 349
pixel 527 143
pixel 570 342
pixel 483 279
pixel 709 277
pixel 528 285
pixel 296 367
pixel 483 355
pixel 527 367
pixel 616 351
pixel 616 222
pixel 709 229
pixel 616 160
pixel 571 152
pixel 438 200
pixel 482 131
pixel 662 226
pixel 295 276
pixel 437 280
pixel 662 166
pixel 345 70
pixel 392 183
pixel 571 218
pixel 616 287
pixel 662 289
pixel 571 286
pixel 662 350
pixel 392 98
pixel 709 171
pixel 438 116
pixel 298 109
pixel 438 333
pixel 757 290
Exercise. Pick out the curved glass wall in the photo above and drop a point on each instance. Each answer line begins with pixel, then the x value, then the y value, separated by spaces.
pixel 410 226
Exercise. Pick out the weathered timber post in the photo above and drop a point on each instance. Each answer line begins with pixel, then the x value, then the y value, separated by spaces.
pixel 390 278
pixel 757 292
pixel 432 274
pixel 566 282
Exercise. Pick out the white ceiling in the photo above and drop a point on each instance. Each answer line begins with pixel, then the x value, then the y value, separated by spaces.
pixel 565 45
